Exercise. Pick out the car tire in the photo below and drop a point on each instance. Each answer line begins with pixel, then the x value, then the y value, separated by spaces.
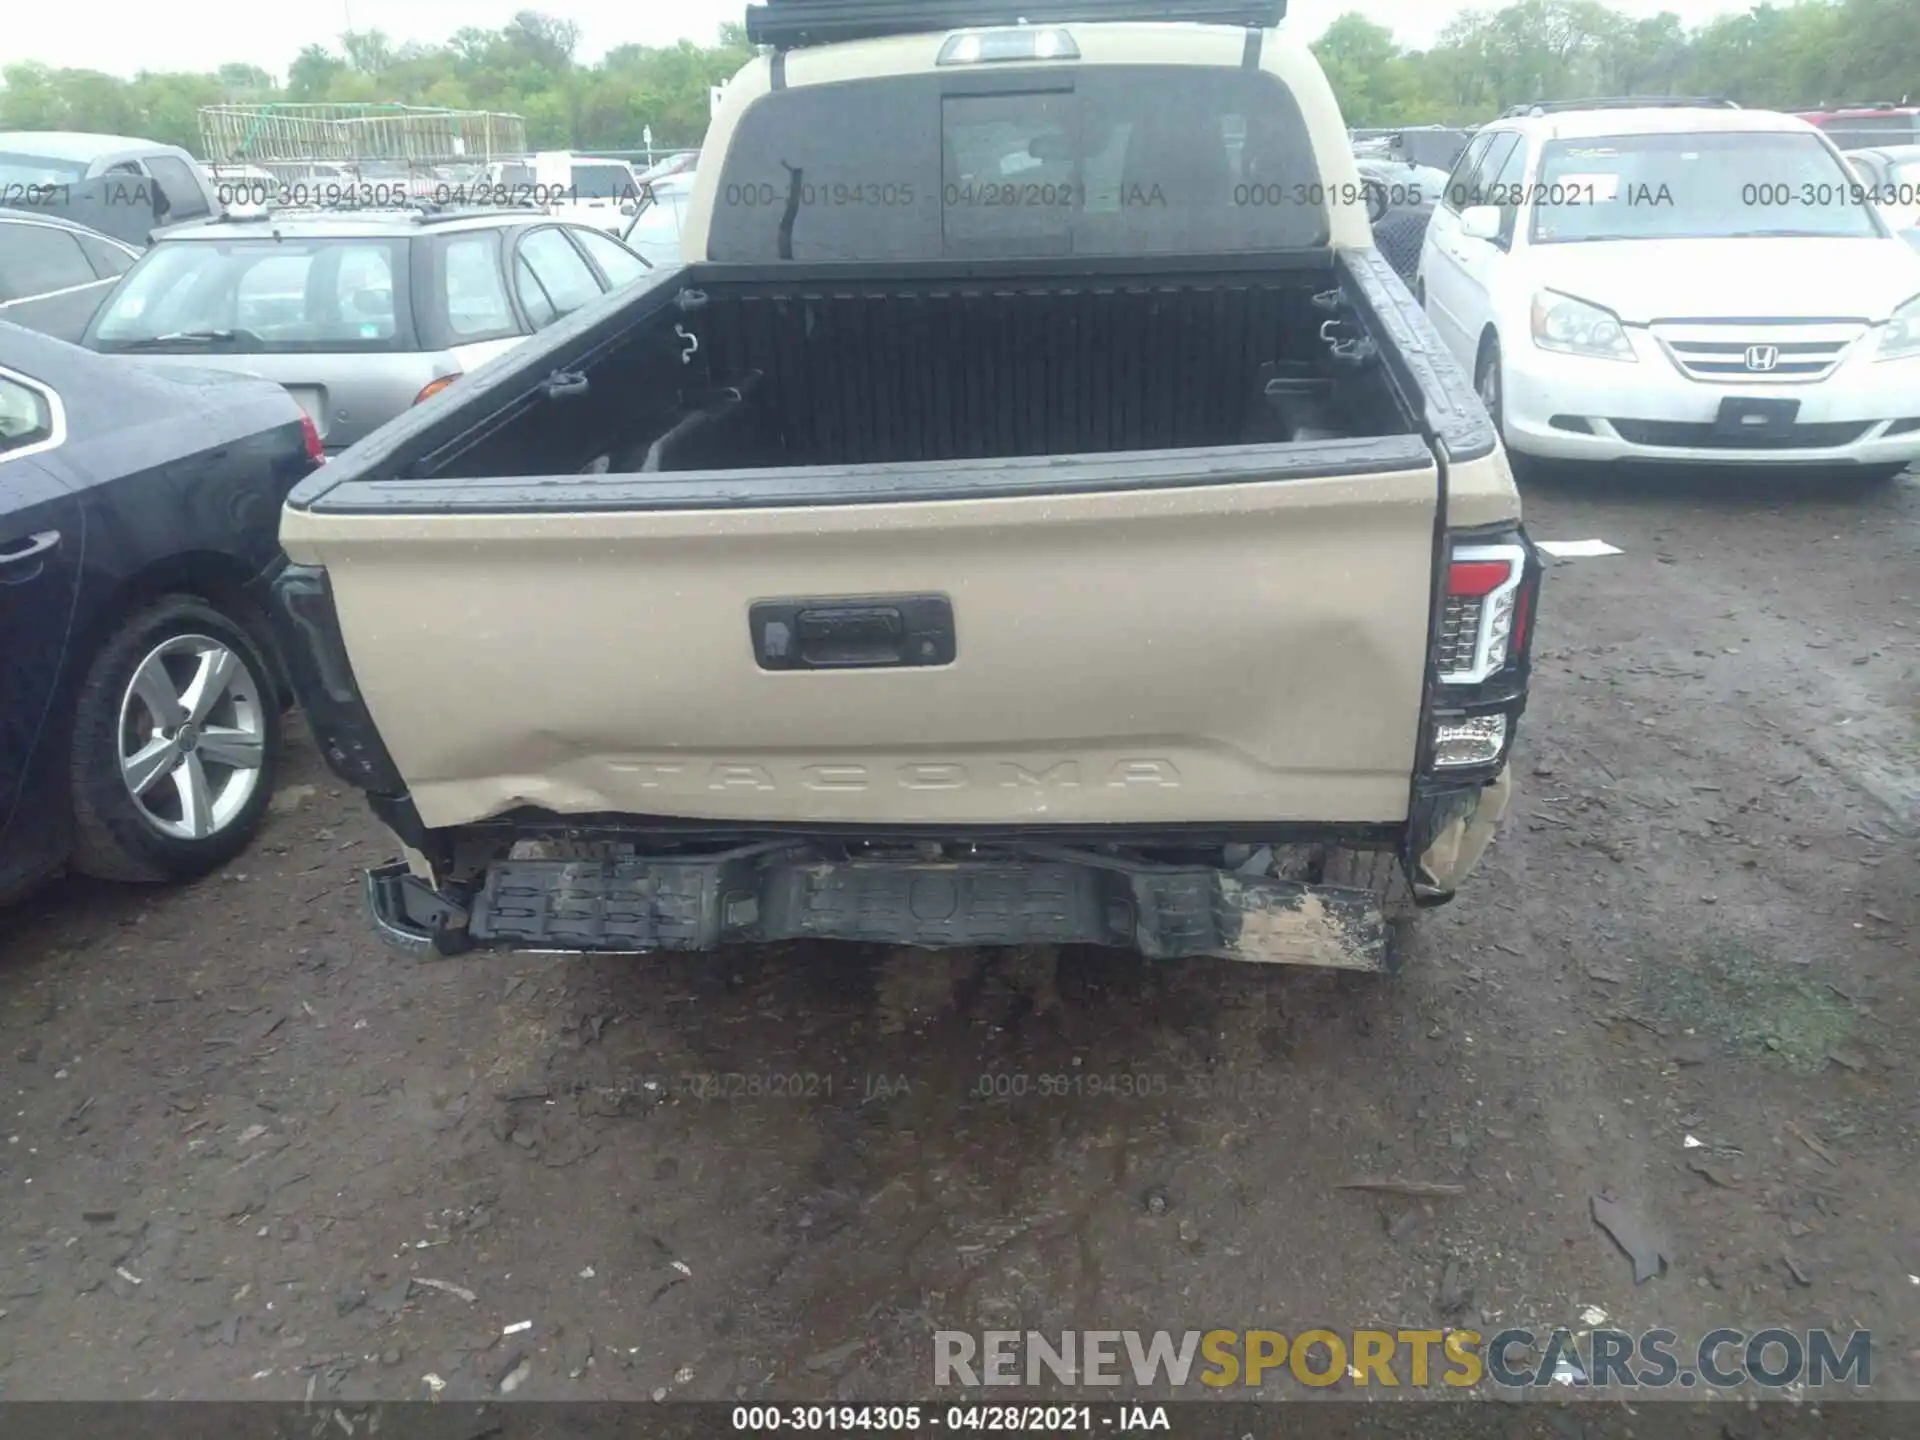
pixel 1381 872
pixel 1487 384
pixel 161 797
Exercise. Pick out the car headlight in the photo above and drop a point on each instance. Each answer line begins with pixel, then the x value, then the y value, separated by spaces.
pixel 1900 340
pixel 1573 327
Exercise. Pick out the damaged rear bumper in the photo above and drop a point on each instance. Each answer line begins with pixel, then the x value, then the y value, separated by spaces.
pixel 775 891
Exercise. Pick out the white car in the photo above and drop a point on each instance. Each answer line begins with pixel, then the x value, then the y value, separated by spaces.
pixel 586 190
pixel 1684 283
pixel 655 230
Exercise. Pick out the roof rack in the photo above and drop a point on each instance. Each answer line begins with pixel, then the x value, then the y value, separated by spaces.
pixel 418 212
pixel 1621 102
pixel 787 24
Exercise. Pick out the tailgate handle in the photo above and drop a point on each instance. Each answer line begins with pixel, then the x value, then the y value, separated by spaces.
pixel 883 631
pixel 851 635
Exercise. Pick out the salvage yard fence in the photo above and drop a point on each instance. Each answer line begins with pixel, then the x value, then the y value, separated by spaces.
pixel 351 133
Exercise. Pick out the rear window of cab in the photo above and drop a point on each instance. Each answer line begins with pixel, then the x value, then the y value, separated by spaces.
pixel 1106 160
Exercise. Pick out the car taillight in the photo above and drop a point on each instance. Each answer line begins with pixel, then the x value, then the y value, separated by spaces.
pixel 1522 616
pixel 1471 741
pixel 1480 656
pixel 434 387
pixel 1477 627
pixel 310 433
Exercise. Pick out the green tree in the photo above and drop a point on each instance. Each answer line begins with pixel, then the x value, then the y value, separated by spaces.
pixel 245 82
pixel 368 51
pixel 1361 61
pixel 312 73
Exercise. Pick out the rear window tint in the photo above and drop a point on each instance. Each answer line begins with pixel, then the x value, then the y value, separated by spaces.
pixel 1114 160
pixel 477 307
pixel 107 260
pixel 40 259
pixel 287 295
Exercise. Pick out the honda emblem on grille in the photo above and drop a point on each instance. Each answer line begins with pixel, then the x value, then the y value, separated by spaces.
pixel 1762 357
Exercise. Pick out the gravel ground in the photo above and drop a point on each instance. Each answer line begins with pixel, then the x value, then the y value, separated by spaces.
pixel 251 1154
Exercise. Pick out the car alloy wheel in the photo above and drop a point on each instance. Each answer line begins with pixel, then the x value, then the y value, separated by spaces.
pixel 192 737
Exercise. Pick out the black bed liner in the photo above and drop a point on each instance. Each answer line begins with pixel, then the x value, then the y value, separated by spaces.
pixel 397 470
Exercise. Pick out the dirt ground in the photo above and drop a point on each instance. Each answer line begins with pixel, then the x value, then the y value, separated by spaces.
pixel 252 1154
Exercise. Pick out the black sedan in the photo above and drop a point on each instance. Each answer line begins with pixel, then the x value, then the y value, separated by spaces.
pixel 53 273
pixel 140 697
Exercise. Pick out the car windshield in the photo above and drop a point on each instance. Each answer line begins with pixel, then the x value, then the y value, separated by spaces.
pixel 602 182
pixel 1719 185
pixel 17 169
pixel 261 295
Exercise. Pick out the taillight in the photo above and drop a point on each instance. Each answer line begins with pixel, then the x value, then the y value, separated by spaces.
pixel 310 433
pixel 434 387
pixel 1470 741
pixel 1476 578
pixel 1477 630
pixel 1480 653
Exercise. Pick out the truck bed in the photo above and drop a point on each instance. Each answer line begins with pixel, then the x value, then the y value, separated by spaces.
pixel 741 372
pixel 821 549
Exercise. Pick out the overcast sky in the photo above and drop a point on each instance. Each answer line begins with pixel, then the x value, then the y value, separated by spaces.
pixel 126 36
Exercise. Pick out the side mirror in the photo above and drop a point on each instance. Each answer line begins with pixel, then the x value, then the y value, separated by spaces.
pixel 1480 222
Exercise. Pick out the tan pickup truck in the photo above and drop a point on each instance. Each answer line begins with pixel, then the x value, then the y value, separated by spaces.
pixel 1033 514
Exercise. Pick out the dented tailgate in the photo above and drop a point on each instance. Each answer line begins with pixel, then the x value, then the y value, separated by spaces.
pixel 1214 639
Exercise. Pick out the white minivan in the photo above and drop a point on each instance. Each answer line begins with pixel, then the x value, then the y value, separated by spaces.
pixel 1684 282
